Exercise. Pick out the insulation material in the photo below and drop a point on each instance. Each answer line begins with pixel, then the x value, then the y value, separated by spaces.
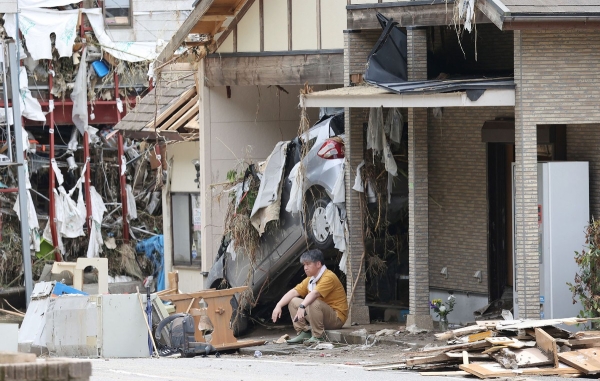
pixel 98 210
pixel 30 107
pixel 294 205
pixel 268 200
pixel 131 207
pixel 126 51
pixel 466 13
pixel 36 25
pixel 79 98
pixel 394 125
pixel 375 129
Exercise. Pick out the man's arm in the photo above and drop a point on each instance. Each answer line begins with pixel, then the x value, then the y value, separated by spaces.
pixel 285 300
pixel 310 297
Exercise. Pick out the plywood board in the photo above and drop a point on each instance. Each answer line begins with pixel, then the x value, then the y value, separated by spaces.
pixel 480 336
pixel 16 357
pixel 248 31
pixel 586 360
pixel 547 344
pixel 493 370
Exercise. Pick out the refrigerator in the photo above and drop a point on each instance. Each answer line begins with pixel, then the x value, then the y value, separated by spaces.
pixel 563 214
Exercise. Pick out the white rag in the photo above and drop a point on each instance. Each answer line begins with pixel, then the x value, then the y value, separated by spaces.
pixel 314 279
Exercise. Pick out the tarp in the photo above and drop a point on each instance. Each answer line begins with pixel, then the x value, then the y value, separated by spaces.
pixel 149 247
pixel 30 107
pixel 98 209
pixel 387 61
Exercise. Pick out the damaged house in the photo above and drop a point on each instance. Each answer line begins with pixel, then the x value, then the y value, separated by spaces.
pixel 84 65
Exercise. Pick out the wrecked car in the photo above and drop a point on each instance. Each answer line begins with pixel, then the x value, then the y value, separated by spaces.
pixel 303 225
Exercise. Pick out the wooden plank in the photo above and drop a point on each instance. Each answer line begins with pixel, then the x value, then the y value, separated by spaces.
pixel 204 293
pixel 492 370
pixel 460 332
pixel 16 357
pixel 164 115
pixel 261 17
pixel 316 69
pixel 183 32
pixel 547 344
pixel 173 278
pixel 318 24
pixel 194 110
pixel 465 357
pixel 480 336
pixel 289 19
pixel 407 15
pixel 491 12
pixel 586 360
pixel 430 359
pixel 175 117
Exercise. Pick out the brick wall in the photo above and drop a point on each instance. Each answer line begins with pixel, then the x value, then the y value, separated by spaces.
pixel 458 182
pixel 583 141
pixel 557 83
pixel 359 43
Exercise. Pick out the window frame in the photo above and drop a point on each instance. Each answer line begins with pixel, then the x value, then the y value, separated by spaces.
pixel 129 18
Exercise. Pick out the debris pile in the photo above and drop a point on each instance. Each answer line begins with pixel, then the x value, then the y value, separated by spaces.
pixel 508 348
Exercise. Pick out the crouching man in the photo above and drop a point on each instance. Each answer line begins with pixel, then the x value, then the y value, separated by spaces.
pixel 319 301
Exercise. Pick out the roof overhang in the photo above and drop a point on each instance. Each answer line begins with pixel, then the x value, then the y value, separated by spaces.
pixel 505 19
pixel 369 96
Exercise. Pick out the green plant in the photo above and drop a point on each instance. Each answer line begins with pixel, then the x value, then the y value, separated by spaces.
pixel 587 281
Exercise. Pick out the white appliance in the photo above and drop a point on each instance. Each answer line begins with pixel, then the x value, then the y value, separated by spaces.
pixel 563 214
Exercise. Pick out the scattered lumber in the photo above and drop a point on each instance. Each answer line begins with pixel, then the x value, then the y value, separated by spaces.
pixel 547 344
pixel 491 370
pixel 16 357
pixel 460 332
pixel 586 360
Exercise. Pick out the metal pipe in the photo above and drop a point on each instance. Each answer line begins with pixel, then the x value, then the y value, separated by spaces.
pixel 51 176
pixel 123 187
pixel 21 176
pixel 9 190
pixel 86 183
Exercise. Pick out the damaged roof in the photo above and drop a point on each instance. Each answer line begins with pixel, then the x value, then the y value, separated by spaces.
pixel 173 104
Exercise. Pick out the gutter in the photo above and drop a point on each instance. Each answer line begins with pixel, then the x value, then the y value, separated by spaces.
pixel 592 19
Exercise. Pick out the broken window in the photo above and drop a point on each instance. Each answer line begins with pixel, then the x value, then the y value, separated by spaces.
pixel 117 12
pixel 186 225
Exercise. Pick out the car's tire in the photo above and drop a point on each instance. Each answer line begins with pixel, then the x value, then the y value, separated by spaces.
pixel 318 230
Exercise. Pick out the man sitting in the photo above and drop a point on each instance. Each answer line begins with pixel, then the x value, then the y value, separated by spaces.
pixel 319 299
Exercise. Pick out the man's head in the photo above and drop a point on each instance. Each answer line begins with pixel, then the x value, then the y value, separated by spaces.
pixel 312 260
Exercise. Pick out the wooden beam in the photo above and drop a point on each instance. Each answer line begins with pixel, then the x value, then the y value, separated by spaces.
pixel 194 110
pixel 316 69
pixel 289 17
pixel 164 115
pixel 406 15
pixel 490 12
pixel 183 32
pixel 234 22
pixel 319 24
pixel 261 17
pixel 175 117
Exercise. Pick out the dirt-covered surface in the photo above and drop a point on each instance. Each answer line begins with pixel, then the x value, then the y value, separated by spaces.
pixel 392 343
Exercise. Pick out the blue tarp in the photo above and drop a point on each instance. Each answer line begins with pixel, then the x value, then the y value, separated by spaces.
pixel 150 246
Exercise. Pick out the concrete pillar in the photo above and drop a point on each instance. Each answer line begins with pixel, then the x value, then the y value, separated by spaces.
pixel 355 282
pixel 418 184
pixel 527 273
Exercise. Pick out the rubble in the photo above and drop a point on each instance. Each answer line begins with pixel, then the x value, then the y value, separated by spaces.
pixel 490 349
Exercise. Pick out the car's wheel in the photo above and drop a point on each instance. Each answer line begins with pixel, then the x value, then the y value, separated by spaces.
pixel 318 228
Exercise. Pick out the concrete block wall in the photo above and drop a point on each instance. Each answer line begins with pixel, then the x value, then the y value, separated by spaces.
pixel 557 83
pixel 47 370
pixel 458 226
pixel 583 141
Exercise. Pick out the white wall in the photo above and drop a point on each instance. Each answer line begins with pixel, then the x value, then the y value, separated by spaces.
pixel 466 303
pixel 8 6
pixel 245 127
pixel 152 20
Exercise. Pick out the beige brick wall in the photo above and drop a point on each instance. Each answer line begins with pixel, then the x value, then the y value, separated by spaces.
pixel 458 183
pixel 557 83
pixel 583 142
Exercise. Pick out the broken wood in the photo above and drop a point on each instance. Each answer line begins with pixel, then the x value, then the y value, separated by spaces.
pixel 491 370
pixel 11 313
pixel 586 360
pixel 547 344
pixel 442 357
pixel 445 374
pixel 465 357
pixel 459 332
pixel 480 336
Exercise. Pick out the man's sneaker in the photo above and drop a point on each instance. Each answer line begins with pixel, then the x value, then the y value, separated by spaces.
pixel 300 338
pixel 169 352
pixel 314 340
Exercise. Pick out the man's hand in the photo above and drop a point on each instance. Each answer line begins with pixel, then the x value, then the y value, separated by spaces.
pixel 299 315
pixel 276 313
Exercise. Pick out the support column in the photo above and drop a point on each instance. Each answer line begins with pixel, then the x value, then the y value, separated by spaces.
pixel 418 189
pixel 355 274
pixel 527 271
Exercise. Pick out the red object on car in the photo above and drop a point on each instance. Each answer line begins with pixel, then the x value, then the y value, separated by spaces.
pixel 332 149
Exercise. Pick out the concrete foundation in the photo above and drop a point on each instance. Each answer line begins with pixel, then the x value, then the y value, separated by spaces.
pixel 421 321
